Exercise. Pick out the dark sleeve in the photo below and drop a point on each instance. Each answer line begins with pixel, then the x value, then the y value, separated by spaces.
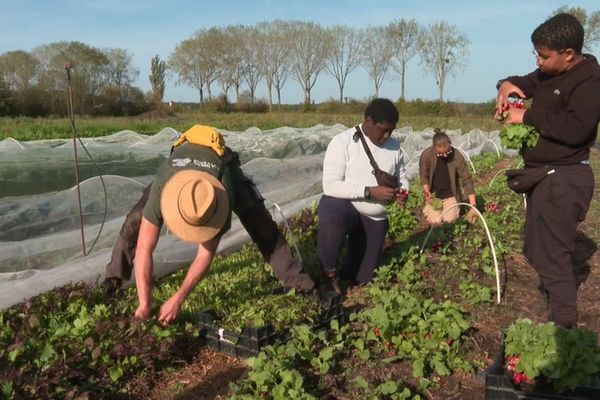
pixel 572 125
pixel 527 83
pixel 228 179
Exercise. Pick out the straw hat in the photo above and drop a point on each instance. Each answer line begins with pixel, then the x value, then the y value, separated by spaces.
pixel 194 205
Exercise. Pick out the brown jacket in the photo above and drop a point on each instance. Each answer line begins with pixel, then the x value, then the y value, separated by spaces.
pixel 457 169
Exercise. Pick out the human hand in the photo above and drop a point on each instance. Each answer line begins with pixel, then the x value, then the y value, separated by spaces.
pixel 383 193
pixel 472 216
pixel 143 311
pixel 402 197
pixel 169 310
pixel 504 92
pixel 428 196
pixel 514 116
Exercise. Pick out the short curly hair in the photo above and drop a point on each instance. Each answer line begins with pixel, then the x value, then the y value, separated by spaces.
pixel 382 110
pixel 560 32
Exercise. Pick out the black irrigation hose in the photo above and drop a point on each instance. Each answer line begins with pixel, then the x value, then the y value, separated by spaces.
pixel 71 112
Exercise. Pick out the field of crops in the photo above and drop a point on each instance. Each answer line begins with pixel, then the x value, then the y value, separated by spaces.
pixel 427 327
pixel 54 128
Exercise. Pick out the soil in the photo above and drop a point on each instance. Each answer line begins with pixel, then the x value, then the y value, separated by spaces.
pixel 207 377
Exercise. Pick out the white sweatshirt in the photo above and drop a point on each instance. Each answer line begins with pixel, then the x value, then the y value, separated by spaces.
pixel 347 170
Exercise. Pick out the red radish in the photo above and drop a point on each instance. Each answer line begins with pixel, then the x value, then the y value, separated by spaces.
pixel 492 207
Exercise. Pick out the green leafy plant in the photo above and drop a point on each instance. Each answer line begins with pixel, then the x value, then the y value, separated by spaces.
pixel 285 371
pixel 475 293
pixel 401 221
pixel 280 310
pixel 416 328
pixel 387 389
pixel 519 136
pixel 272 376
pixel 564 357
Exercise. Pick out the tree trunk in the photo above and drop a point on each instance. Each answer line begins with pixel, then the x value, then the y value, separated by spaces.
pixel 306 88
pixel 201 93
pixel 270 93
pixel 279 97
pixel 402 81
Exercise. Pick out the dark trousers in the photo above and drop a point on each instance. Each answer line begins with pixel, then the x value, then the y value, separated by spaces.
pixel 339 219
pixel 256 219
pixel 555 208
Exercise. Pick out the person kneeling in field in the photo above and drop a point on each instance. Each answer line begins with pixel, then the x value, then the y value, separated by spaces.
pixel 194 193
pixel 442 171
pixel 363 171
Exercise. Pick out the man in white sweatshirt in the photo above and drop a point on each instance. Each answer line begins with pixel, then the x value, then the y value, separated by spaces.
pixel 353 202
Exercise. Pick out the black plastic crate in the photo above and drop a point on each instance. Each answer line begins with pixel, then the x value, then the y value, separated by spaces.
pixel 251 340
pixel 248 343
pixel 499 386
pixel 333 309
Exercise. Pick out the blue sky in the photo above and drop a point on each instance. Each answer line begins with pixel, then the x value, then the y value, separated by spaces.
pixel 499 33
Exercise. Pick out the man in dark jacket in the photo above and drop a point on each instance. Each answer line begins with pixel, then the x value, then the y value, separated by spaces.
pixel 565 111
pixel 246 202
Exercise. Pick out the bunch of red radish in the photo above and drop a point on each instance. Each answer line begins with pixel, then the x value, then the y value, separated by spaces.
pixel 507 106
pixel 518 377
pixel 492 207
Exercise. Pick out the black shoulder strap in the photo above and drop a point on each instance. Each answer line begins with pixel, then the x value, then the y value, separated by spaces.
pixel 366 147
pixel 229 160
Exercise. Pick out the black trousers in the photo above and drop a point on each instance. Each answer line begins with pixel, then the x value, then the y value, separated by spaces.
pixel 256 219
pixel 337 219
pixel 555 207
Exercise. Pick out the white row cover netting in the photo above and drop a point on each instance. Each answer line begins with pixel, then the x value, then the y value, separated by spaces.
pixel 40 235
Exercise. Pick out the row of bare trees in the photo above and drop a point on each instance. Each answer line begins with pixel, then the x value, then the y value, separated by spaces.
pixel 239 58
pixel 273 51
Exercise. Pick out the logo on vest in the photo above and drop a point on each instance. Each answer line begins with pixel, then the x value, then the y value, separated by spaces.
pixel 184 162
pixel 180 162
